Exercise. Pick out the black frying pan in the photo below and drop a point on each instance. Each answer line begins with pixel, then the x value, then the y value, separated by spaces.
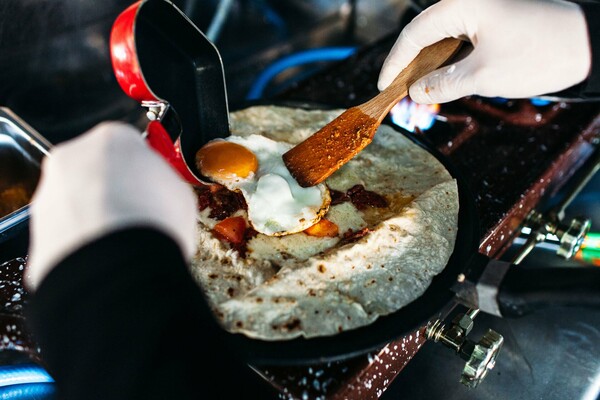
pixel 387 328
pixel 520 290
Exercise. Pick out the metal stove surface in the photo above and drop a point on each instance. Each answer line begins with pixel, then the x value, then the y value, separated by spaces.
pixel 550 355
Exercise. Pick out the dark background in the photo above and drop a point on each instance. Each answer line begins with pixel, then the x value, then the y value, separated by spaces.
pixel 55 69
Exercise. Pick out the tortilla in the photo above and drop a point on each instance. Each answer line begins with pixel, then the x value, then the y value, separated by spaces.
pixel 384 257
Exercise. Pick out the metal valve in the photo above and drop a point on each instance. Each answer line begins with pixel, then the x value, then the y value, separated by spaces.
pixel 482 359
pixel 572 238
pixel 480 356
pixel 552 222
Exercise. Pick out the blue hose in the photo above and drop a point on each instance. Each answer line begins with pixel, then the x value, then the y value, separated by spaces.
pixel 22 374
pixel 29 391
pixel 218 20
pixel 293 60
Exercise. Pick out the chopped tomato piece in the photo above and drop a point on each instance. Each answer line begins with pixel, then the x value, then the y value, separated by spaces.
pixel 231 229
pixel 323 228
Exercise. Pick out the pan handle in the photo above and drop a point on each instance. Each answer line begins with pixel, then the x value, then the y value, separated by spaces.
pixel 524 290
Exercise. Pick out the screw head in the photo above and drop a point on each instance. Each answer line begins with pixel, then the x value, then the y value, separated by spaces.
pixel 152 115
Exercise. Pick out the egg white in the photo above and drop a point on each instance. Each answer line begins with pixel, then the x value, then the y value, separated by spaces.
pixel 277 204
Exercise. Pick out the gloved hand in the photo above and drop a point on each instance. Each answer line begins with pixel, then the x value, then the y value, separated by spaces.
pixel 102 181
pixel 521 48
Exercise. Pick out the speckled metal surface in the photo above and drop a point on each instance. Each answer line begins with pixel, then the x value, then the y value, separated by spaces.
pixel 359 378
pixel 14 334
pixel 513 154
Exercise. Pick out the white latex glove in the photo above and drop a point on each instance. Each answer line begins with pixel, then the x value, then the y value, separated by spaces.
pixel 521 48
pixel 104 180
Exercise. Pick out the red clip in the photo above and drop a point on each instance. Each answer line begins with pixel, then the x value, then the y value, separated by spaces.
pixel 159 140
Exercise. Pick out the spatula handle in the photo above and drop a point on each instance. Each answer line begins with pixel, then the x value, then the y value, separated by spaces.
pixel 428 60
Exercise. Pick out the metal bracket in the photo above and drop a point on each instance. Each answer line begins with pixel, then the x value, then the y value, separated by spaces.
pixel 488 284
pixel 155 109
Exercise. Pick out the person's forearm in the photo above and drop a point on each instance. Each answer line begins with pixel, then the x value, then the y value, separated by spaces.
pixel 122 318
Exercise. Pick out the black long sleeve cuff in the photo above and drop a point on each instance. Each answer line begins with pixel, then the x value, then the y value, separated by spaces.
pixel 122 318
pixel 590 88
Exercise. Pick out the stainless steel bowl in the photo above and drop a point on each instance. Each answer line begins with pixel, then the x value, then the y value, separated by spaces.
pixel 21 152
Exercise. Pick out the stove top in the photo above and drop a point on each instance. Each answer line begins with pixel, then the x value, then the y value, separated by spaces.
pixel 516 156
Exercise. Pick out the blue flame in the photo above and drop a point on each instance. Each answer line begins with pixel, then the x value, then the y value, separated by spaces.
pixel 410 115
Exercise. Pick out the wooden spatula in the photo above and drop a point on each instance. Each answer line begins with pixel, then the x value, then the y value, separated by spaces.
pixel 316 158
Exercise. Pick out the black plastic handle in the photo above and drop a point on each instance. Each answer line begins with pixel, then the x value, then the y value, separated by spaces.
pixel 182 67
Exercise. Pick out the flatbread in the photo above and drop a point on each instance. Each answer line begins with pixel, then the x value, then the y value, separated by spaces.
pixel 299 285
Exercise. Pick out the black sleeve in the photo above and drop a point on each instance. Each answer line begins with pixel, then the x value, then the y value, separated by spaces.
pixel 590 88
pixel 122 318
pixel 591 10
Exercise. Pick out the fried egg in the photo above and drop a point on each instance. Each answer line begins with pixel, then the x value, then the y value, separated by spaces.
pixel 253 165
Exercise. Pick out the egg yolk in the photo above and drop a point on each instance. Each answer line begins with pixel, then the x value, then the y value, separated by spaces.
pixel 323 228
pixel 222 160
